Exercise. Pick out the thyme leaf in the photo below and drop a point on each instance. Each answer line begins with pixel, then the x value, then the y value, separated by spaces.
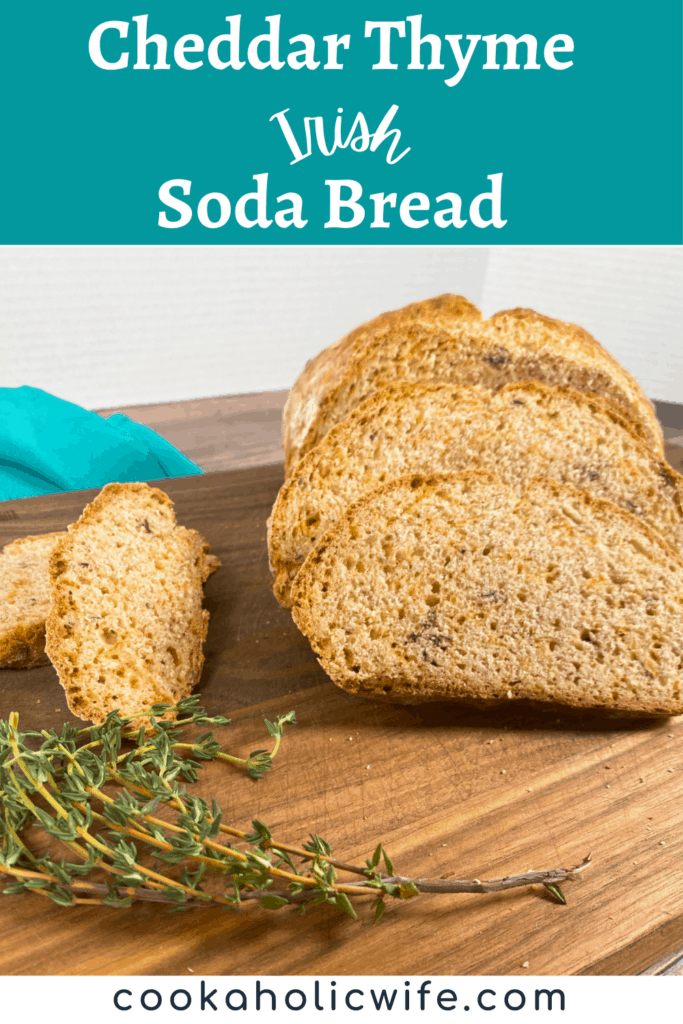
pixel 115 797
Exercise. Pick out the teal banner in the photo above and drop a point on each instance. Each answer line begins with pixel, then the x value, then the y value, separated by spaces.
pixel 359 123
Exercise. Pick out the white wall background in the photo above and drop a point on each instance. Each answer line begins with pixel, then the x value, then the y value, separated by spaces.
pixel 125 326
pixel 121 326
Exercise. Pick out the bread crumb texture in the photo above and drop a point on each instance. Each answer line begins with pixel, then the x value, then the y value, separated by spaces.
pixel 447 339
pixel 524 430
pixel 126 626
pixel 453 587
pixel 25 600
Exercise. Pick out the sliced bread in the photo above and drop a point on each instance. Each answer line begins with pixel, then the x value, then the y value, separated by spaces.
pixel 522 431
pixel 452 587
pixel 126 625
pixel 446 340
pixel 25 600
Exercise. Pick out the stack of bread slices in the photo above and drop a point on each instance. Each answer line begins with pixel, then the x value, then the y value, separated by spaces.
pixel 479 510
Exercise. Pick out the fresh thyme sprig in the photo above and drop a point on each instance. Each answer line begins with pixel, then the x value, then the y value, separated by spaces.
pixel 101 793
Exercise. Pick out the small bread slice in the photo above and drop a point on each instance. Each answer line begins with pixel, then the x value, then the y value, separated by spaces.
pixel 25 592
pixel 126 625
pixel 454 588
pixel 25 600
pixel 446 340
pixel 522 431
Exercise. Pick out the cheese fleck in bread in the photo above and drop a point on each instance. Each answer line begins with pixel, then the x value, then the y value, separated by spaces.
pixel 126 625
pixel 454 588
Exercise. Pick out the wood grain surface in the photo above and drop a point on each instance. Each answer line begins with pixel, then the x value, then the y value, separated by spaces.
pixel 227 432
pixel 451 791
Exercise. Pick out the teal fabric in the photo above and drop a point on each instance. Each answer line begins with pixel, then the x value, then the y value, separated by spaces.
pixel 48 445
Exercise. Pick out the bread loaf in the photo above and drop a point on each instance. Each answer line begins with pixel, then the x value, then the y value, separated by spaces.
pixel 446 340
pixel 452 587
pixel 25 600
pixel 522 431
pixel 126 625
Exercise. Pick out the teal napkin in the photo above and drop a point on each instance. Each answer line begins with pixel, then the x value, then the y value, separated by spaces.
pixel 48 445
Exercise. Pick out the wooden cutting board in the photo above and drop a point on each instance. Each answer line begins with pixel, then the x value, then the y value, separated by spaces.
pixel 450 791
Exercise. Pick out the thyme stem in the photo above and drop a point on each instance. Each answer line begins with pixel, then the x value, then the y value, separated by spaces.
pixel 67 775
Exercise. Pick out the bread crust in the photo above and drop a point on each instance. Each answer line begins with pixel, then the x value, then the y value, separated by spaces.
pixel 24 646
pixel 24 594
pixel 523 430
pixel 446 339
pixel 126 626
pixel 618 584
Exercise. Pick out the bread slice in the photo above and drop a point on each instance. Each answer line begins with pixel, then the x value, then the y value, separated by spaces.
pixel 25 591
pixel 452 587
pixel 522 431
pixel 126 625
pixel 446 340
pixel 25 600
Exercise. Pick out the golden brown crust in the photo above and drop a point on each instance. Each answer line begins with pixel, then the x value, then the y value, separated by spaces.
pixel 126 625
pixel 445 339
pixel 326 371
pixel 525 429
pixel 24 646
pixel 24 600
pixel 24 543
pixel 92 512
pixel 23 564
pixel 624 391
pixel 579 600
